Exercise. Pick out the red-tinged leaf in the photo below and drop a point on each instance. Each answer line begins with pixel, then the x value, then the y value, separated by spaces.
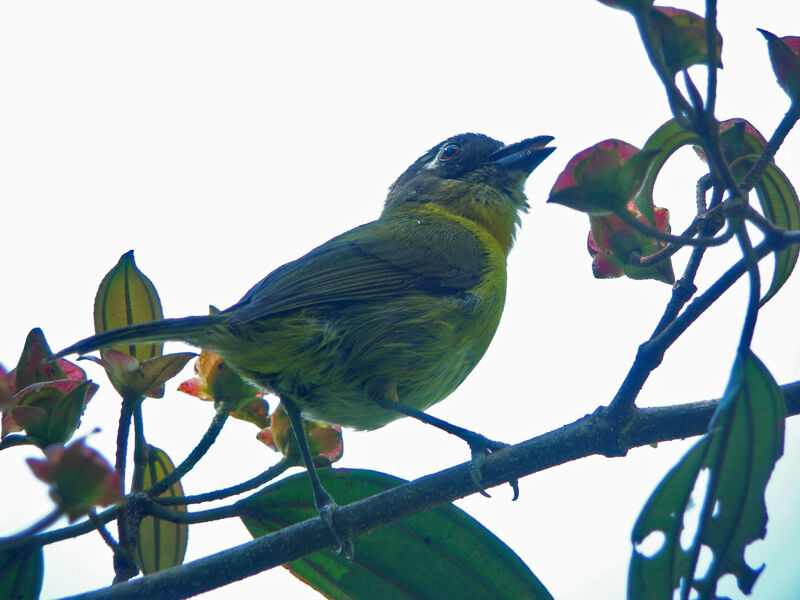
pixel 784 54
pixel 738 137
pixel 78 476
pixel 126 296
pixel 448 554
pixel 50 411
pixel 156 371
pixel 161 544
pixel 71 370
pixel 324 441
pixel 583 200
pixel 256 412
pixel 683 38
pixel 7 426
pixel 132 378
pixel 32 419
pixel 6 388
pixel 34 405
pixel 217 381
pixel 595 180
pixel 195 387
pixel 600 166
pixel 616 247
pixel 21 573
pixel 33 365
pixel 744 441
pixel 604 267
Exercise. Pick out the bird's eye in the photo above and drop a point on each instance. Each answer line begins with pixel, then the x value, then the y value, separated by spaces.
pixel 449 152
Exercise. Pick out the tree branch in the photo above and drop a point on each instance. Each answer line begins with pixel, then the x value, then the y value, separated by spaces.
pixel 585 437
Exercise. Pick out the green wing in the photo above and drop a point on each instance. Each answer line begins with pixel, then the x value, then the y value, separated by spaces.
pixel 384 258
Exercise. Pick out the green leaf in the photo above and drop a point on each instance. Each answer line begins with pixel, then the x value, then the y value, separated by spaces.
pixel 683 38
pixel 779 203
pixel 66 414
pixel 161 544
pixel 21 573
pixel 744 441
pixel 655 576
pixel 126 296
pixel 665 140
pixel 442 553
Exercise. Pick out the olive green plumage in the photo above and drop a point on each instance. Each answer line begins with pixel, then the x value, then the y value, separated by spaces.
pixel 399 309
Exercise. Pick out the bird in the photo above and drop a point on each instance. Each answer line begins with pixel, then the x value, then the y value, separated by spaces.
pixel 384 320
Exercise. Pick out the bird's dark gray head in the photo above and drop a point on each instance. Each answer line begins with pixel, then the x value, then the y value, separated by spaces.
pixel 473 176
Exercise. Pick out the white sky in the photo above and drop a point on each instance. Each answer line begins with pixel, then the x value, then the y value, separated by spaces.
pixel 220 140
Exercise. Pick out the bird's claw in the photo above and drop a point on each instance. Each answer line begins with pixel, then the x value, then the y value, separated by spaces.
pixel 343 546
pixel 480 450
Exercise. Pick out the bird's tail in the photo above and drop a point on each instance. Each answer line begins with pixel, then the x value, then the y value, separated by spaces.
pixel 188 329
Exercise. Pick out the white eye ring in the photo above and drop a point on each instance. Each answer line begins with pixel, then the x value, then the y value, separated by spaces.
pixel 440 156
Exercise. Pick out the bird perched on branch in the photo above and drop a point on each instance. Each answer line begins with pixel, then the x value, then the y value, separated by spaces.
pixel 388 318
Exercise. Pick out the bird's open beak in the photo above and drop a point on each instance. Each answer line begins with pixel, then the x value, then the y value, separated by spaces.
pixel 525 155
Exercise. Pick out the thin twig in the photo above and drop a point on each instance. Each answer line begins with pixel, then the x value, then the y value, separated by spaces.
pixel 125 416
pixel 629 219
pixel 784 127
pixel 205 443
pixel 139 447
pixel 201 516
pixel 711 63
pixel 274 471
pixel 23 536
pixel 652 352
pixel 755 289
pixel 101 528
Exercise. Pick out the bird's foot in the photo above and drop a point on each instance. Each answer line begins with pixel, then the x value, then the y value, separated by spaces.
pixel 326 507
pixel 481 447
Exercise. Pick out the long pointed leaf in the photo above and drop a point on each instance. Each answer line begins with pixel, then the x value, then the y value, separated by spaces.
pixel 779 202
pixel 443 553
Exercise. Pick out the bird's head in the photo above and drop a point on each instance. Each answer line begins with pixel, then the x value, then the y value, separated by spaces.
pixel 473 176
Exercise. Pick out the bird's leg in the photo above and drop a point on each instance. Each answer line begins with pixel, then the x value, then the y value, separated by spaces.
pixel 323 501
pixel 478 444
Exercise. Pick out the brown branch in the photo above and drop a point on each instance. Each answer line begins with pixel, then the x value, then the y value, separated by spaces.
pixel 587 436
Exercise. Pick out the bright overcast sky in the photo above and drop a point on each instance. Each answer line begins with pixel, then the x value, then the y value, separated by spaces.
pixel 220 140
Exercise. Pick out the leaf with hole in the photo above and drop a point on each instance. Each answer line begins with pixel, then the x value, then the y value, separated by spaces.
pixel 744 441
